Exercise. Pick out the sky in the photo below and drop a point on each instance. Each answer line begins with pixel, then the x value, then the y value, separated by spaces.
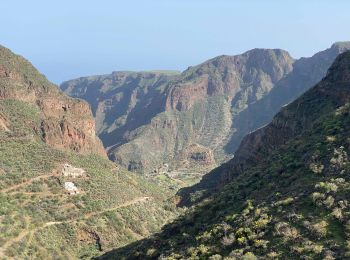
pixel 67 39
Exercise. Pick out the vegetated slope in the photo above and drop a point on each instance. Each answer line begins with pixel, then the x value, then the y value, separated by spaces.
pixel 287 195
pixel 60 197
pixel 196 120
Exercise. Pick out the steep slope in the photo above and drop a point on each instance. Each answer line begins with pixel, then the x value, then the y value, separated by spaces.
pixel 287 193
pixel 60 197
pixel 305 74
pixel 188 119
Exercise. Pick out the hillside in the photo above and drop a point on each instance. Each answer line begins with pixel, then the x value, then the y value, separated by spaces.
pixel 185 124
pixel 286 193
pixel 60 197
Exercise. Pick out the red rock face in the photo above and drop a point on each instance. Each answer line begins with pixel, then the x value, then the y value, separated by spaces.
pixel 182 97
pixel 64 135
pixel 70 125
pixel 228 75
pixel 67 123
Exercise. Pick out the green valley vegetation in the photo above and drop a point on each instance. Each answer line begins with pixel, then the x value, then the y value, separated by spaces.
pixel 285 195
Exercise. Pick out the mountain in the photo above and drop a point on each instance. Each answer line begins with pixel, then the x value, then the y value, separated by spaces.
pixel 183 120
pixel 305 74
pixel 60 196
pixel 306 71
pixel 188 123
pixel 286 194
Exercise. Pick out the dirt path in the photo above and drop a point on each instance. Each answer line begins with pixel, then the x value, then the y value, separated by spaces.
pixel 126 204
pixel 39 193
pixel 9 242
pixel 27 182
pixel 91 214
pixel 51 223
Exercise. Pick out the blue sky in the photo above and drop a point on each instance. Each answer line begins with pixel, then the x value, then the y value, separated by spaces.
pixel 71 38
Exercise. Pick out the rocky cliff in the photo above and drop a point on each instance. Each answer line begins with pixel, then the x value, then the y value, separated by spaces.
pixel 65 122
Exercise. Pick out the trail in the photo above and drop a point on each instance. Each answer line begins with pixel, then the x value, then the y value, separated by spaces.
pixel 91 214
pixel 9 242
pixel 14 187
pixel 51 223
pixel 39 193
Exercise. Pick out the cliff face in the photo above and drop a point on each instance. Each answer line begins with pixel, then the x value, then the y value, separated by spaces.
pixel 246 77
pixel 147 120
pixel 66 123
pixel 305 74
pixel 297 117
pixel 286 194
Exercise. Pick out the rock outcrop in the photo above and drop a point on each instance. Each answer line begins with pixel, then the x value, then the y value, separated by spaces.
pixel 66 123
pixel 198 154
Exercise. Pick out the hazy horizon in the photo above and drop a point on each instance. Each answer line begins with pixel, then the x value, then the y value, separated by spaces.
pixel 66 40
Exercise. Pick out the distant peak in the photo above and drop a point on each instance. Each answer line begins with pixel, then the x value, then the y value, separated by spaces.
pixel 159 72
pixel 340 70
pixel 341 46
pixel 255 54
pixel 267 51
